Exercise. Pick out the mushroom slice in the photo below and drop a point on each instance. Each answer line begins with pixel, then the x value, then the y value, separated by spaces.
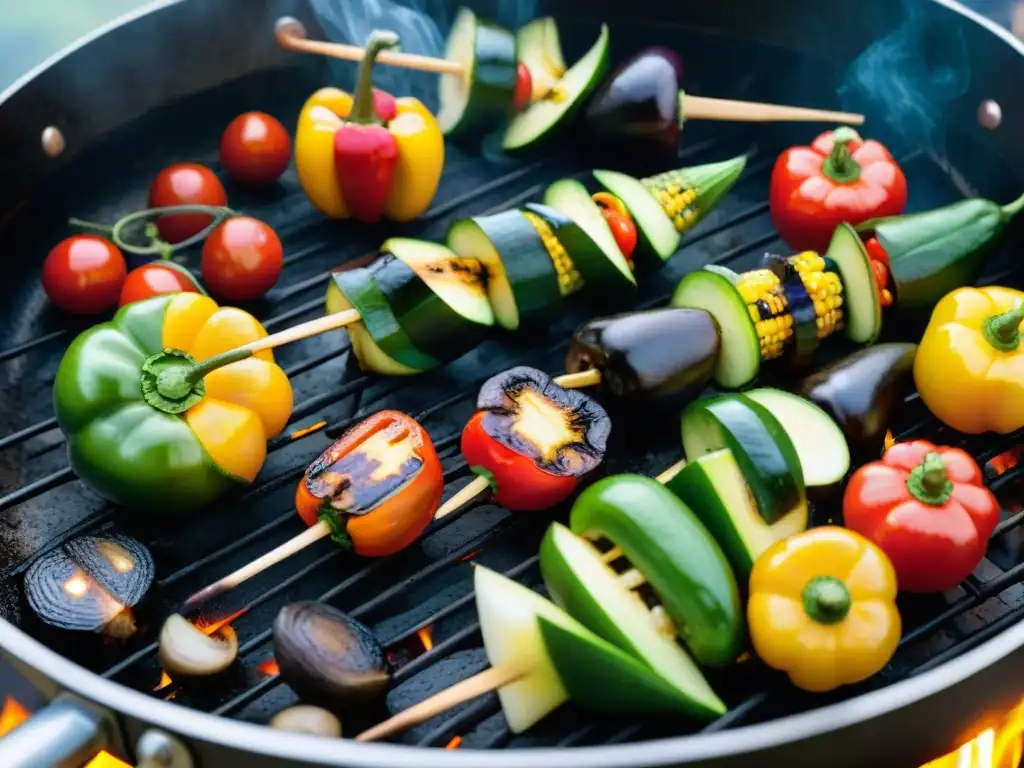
pixel 187 651
pixel 307 719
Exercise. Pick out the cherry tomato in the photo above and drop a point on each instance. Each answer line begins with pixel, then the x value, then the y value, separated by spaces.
pixel 185 184
pixel 156 279
pixel 242 259
pixel 524 88
pixel 619 221
pixel 255 148
pixel 84 274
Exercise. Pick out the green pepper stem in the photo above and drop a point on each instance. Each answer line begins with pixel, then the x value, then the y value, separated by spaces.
pixel 363 111
pixel 826 600
pixel 156 246
pixel 840 165
pixel 929 483
pixel 172 381
pixel 1012 209
pixel 200 370
pixel 1003 331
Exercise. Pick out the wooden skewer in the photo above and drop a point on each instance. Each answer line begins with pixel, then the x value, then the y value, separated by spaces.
pixel 489 680
pixel 303 330
pixel 588 378
pixel 291 35
pixel 260 564
pixel 705 108
pixel 465 495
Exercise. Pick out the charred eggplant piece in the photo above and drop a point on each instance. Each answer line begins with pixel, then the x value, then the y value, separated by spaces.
pixel 329 658
pixel 634 115
pixel 664 354
pixel 862 391
pixel 91 584
pixel 188 651
pixel 306 719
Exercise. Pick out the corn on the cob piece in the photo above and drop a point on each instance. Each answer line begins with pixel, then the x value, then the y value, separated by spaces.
pixel 764 294
pixel 569 279
pixel 676 198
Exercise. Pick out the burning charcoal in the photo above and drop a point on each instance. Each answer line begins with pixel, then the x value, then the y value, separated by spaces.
pixel 91 584
pixel 329 658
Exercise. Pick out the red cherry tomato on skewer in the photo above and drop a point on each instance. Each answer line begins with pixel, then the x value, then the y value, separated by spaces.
pixel 524 88
pixel 83 274
pixel 156 279
pixel 255 149
pixel 242 259
pixel 616 215
pixel 185 184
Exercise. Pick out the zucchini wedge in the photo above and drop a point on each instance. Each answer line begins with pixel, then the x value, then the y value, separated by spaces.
pixel 589 590
pixel 522 285
pixel 378 341
pixel 739 361
pixel 820 444
pixel 559 659
pixel 716 490
pixel 600 262
pixel 540 49
pixel 657 237
pixel 541 120
pixel 863 305
pixel 482 97
pixel 762 447
pixel 438 298
pixel 669 551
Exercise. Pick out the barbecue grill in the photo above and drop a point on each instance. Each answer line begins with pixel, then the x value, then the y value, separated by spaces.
pixel 158 87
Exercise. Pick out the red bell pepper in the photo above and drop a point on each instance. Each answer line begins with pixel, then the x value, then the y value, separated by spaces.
pixel 839 178
pixel 927 509
pixel 377 486
pixel 532 439
pixel 365 152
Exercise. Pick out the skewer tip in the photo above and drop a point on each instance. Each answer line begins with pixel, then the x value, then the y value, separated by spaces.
pixel 194 602
pixel 289 28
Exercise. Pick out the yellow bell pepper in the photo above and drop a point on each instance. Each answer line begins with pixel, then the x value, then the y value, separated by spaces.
pixel 969 367
pixel 822 608
pixel 400 142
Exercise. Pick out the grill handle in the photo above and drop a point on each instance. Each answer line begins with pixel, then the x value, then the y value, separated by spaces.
pixel 64 734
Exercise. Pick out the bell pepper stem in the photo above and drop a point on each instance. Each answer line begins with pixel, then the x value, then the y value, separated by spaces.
pixel 840 165
pixel 1012 209
pixel 826 600
pixel 362 106
pixel 929 483
pixel 172 380
pixel 1003 331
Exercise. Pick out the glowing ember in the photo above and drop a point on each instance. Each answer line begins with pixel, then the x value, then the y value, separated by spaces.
pixel 76 586
pixel 1005 461
pixel 455 743
pixel 165 680
pixel 106 760
pixel 12 715
pixel 307 430
pixel 209 627
pixel 269 668
pixel 471 555
pixel 890 441
pixel 426 637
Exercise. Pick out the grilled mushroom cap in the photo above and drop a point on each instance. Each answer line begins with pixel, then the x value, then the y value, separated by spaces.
pixel 186 651
pixel 307 719
pixel 329 658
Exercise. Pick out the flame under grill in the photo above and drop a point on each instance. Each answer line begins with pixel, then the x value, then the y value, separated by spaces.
pixel 419 602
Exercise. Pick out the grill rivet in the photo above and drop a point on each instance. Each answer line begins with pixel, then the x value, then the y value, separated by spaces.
pixel 157 749
pixel 52 141
pixel 288 27
pixel 990 114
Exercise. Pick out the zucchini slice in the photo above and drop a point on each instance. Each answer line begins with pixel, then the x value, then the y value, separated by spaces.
pixel 863 305
pixel 482 97
pixel 716 490
pixel 762 447
pixel 558 657
pixel 658 237
pixel 602 266
pixel 739 360
pixel 540 120
pixel 438 298
pixel 540 49
pixel 819 442
pixel 378 341
pixel 590 591
pixel 521 281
